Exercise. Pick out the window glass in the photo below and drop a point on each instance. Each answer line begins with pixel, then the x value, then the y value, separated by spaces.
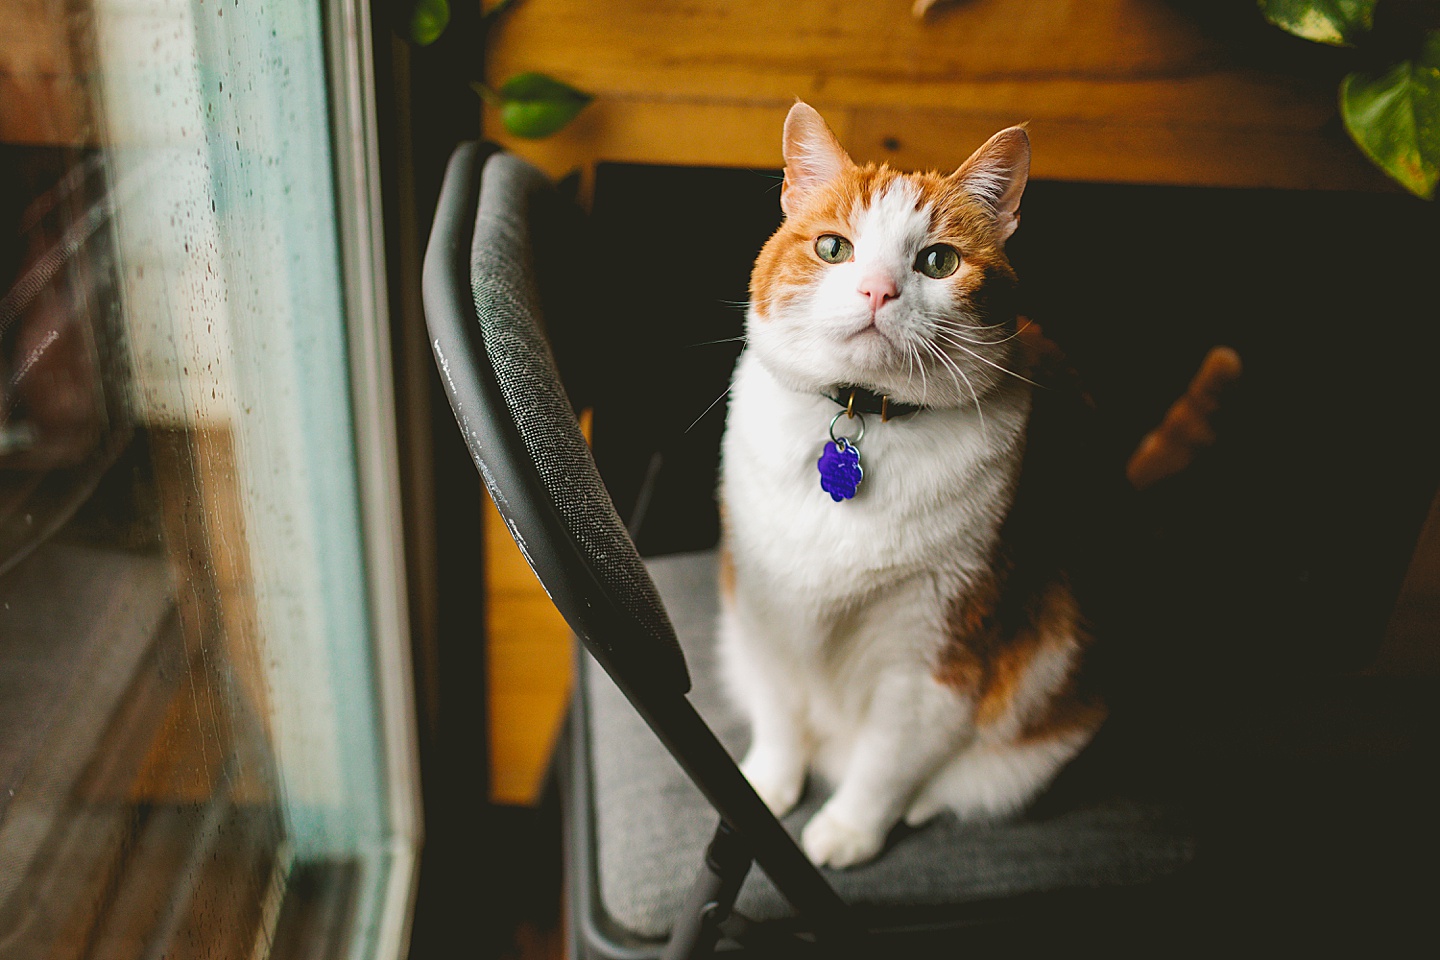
pixel 192 742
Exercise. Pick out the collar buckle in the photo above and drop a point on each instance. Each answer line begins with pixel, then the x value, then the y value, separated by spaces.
pixel 858 400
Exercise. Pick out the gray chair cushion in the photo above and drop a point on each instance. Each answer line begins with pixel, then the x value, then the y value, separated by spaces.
pixel 652 824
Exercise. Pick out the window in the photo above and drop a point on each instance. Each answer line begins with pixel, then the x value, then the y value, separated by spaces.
pixel 205 734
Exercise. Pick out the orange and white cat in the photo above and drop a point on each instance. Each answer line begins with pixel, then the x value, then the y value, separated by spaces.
pixel 901 643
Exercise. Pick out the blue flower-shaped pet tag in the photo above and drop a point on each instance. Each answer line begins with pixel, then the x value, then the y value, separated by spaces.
pixel 840 470
pixel 839 463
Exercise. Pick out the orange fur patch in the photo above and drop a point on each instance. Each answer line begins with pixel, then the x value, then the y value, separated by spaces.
pixel 992 644
pixel 1006 669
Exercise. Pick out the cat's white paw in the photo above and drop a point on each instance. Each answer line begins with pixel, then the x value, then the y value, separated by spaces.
pixel 778 783
pixel 830 841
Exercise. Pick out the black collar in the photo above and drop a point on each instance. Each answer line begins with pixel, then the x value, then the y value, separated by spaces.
pixel 861 400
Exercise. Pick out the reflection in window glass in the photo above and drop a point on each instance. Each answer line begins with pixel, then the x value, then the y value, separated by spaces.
pixel 192 755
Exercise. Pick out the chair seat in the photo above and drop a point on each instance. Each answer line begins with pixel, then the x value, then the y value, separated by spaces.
pixel 651 823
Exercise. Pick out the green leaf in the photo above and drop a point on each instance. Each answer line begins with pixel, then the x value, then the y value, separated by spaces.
pixel 533 105
pixel 1336 22
pixel 429 20
pixel 1395 119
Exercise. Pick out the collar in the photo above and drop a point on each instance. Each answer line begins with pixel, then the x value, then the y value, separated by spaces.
pixel 860 400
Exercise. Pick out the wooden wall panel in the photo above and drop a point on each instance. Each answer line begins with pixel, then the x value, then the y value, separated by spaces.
pixel 1114 90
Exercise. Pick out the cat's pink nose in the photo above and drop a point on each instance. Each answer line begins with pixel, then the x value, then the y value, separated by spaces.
pixel 879 289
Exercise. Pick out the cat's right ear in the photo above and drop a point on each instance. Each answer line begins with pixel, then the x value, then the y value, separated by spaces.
pixel 997 174
pixel 813 157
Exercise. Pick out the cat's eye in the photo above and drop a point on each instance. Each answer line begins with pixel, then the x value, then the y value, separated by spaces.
pixel 833 248
pixel 938 261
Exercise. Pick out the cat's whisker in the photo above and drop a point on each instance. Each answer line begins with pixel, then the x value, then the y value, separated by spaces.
pixel 987 361
pixel 945 318
pixel 940 355
pixel 909 364
pixel 982 343
pixel 954 335
pixel 949 326
pixel 920 365
pixel 722 396
pixel 958 333
pixel 706 343
pixel 955 370
pixel 916 364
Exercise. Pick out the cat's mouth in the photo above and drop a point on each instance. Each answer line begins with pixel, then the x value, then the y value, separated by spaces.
pixel 868 330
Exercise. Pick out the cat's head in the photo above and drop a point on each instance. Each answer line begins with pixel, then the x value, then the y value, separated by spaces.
pixel 893 281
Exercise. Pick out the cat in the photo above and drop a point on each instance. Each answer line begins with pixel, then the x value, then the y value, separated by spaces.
pixel 880 626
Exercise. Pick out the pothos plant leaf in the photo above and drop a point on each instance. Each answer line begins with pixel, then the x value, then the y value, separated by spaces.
pixel 428 20
pixel 533 105
pixel 1395 118
pixel 1336 22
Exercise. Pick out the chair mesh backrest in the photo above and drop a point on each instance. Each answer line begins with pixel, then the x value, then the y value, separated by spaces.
pixel 507 294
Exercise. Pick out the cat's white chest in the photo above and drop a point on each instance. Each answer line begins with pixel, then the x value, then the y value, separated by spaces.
pixel 935 490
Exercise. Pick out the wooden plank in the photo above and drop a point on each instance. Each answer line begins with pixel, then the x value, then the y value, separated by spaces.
pixel 1122 152
pixel 1130 90
pixel 640 131
pixel 529 670
pixel 529 666
pixel 817 48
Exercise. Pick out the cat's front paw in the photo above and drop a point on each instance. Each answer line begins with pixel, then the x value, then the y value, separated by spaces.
pixel 830 841
pixel 778 782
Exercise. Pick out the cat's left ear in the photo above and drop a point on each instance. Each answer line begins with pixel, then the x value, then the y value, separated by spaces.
pixel 813 157
pixel 997 174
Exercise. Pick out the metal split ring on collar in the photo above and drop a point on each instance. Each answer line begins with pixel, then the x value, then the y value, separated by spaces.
pixel 848 440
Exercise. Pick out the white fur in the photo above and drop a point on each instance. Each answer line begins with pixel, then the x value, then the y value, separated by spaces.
pixel 830 641
pixel 986 782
